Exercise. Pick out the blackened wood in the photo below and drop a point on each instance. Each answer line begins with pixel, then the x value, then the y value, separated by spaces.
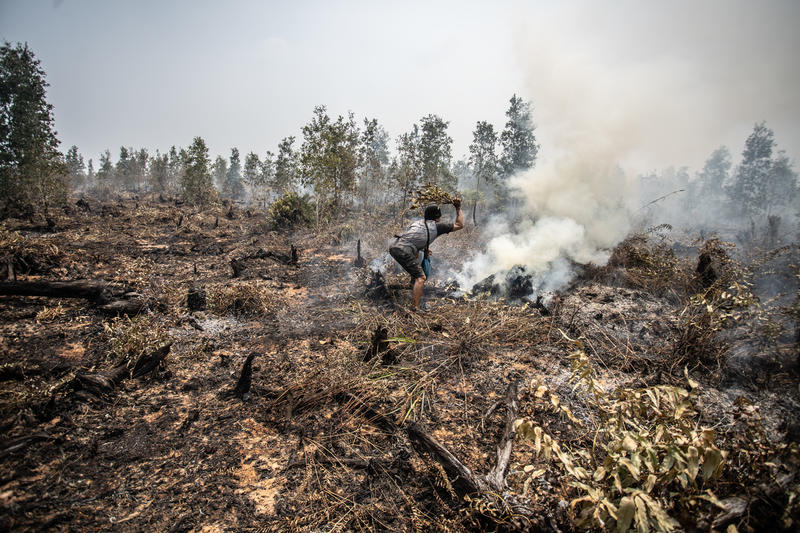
pixel 94 290
pixel 149 362
pixel 242 389
pixel 196 299
pixel 378 345
pixel 19 443
pixel 124 307
pixel 359 262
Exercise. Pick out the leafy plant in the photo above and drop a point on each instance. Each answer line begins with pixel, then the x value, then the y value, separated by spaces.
pixel 647 449
pixel 291 209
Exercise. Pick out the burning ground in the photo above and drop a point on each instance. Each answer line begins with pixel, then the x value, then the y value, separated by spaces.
pixel 297 392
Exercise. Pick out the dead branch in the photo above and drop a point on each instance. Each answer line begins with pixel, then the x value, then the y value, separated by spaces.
pixel 460 475
pixel 497 476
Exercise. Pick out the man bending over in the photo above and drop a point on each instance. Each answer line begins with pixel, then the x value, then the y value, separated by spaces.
pixel 418 237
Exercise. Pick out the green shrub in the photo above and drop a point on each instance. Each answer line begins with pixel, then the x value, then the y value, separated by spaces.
pixel 291 209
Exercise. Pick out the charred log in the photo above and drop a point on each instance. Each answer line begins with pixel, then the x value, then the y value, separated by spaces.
pixel 103 383
pixel 84 205
pixel 149 362
pixel 705 270
pixel 124 307
pixel 238 267
pixel 96 291
pixel 20 443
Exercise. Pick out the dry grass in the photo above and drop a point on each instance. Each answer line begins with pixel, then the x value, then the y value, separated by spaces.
pixel 243 298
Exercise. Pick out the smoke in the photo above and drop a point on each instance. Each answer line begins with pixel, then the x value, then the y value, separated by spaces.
pixel 574 211
pixel 620 90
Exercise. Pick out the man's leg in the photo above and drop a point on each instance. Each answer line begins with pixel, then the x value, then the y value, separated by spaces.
pixel 419 283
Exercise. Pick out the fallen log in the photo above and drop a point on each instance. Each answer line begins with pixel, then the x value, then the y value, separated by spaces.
pixel 124 307
pixel 94 290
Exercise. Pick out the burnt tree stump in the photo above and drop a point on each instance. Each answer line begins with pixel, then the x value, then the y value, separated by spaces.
pixel 242 389
pixel 360 261
pixel 196 299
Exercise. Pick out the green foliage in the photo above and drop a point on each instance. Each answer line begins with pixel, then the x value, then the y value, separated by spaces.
pixel 232 186
pixel 286 171
pixel 159 172
pixel 518 140
pixel 75 167
pixel 196 183
pixel 435 152
pixel 32 171
pixel 291 209
pixel 374 160
pixel 329 157
pixel 647 450
pixel 762 181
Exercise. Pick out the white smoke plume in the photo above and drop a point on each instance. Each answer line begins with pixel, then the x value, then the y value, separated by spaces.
pixel 575 211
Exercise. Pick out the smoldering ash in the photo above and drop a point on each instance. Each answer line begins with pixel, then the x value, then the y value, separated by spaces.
pixel 573 211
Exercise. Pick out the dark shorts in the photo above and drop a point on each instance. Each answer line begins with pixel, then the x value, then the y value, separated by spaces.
pixel 407 260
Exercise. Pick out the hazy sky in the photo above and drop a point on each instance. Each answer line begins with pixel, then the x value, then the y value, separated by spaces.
pixel 648 83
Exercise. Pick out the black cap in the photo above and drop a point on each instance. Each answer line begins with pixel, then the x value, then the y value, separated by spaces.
pixel 432 212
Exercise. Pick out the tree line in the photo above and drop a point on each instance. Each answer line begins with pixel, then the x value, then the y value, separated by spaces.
pixel 335 161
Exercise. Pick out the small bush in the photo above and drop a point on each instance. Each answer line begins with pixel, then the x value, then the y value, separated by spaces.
pixel 290 210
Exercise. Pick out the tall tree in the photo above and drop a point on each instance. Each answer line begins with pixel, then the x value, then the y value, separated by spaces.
pixel 32 170
pixel 518 139
pixel 105 174
pixel 761 183
pixel 407 169
pixel 373 160
pixel 140 159
pixel 176 160
pixel 196 181
pixel 435 152
pixel 711 180
pixel 124 169
pixel 329 157
pixel 254 177
pixel 219 173
pixel 483 159
pixel 90 176
pixel 159 172
pixel 75 167
pixel 286 171
pixel 233 183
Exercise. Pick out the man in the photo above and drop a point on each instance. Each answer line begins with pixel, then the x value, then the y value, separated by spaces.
pixel 420 234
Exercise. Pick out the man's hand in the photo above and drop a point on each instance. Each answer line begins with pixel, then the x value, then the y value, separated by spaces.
pixel 458 223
